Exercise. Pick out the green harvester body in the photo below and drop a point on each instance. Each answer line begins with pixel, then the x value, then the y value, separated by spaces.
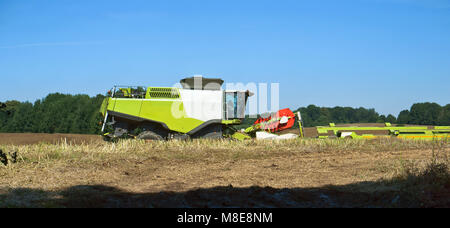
pixel 169 112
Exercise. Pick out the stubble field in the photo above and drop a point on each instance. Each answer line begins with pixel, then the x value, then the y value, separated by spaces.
pixel 84 171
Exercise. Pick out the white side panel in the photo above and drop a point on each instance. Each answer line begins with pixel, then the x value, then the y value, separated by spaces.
pixel 203 104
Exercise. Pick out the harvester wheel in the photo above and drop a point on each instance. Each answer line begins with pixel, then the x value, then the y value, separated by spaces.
pixel 149 135
pixel 120 129
pixel 213 135
pixel 210 132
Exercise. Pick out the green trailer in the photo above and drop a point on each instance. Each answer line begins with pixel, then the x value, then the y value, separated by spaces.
pixel 405 132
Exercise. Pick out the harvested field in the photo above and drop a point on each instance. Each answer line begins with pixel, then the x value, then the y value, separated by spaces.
pixel 205 173
pixel 309 132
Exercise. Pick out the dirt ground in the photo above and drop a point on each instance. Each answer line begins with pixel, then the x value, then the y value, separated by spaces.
pixel 309 132
pixel 202 174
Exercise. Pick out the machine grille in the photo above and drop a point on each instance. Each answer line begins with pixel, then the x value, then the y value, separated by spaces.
pixel 166 93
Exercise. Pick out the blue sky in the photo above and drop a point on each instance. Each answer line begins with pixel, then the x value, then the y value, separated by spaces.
pixel 382 54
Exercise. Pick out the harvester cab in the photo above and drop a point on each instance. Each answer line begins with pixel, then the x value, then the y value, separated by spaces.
pixel 200 109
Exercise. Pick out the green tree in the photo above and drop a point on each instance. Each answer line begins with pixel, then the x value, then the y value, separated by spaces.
pixel 403 117
pixel 21 120
pixel 381 119
pixel 425 113
pixel 391 119
pixel 444 117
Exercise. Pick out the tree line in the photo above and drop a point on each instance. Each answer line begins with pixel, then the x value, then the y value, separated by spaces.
pixel 56 113
pixel 79 114
pixel 419 113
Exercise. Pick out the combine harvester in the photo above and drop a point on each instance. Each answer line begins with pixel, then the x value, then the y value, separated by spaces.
pixel 201 109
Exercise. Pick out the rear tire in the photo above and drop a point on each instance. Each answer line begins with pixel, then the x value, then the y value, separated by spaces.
pixel 213 135
pixel 210 132
pixel 153 131
pixel 150 135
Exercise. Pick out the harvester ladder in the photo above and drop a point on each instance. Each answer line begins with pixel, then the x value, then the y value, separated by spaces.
pixel 300 123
